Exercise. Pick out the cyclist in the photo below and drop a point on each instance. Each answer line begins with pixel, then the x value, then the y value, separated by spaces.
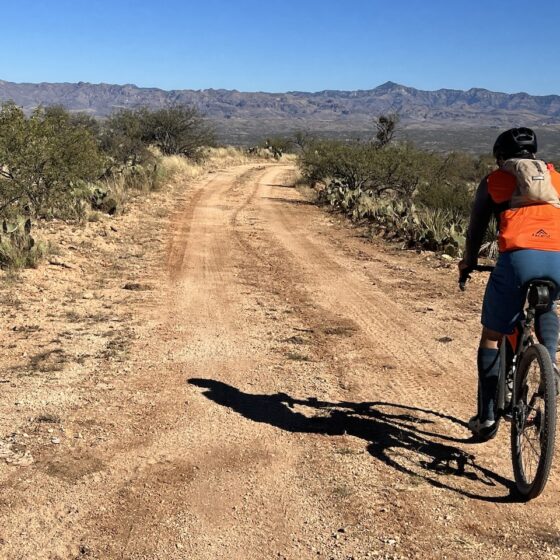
pixel 529 245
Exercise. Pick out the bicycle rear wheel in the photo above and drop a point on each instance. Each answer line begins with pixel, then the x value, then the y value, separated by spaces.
pixel 533 425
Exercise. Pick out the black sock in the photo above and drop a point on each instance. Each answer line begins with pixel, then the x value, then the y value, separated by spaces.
pixel 488 371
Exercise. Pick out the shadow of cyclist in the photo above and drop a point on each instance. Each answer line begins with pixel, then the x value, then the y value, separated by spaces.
pixel 388 427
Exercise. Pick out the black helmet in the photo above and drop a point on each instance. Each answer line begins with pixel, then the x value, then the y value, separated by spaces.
pixel 515 142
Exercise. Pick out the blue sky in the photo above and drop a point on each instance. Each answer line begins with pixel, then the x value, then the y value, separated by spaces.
pixel 284 45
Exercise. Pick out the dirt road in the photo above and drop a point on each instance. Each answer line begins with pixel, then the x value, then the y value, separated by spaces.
pixel 286 390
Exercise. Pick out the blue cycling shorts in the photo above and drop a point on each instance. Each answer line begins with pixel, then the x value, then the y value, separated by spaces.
pixel 505 295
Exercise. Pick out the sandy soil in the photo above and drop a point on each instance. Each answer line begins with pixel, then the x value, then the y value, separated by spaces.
pixel 229 372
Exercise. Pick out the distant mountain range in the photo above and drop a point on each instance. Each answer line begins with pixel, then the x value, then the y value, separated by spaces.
pixel 242 115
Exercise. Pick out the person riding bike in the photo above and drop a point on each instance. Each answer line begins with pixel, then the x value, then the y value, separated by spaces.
pixel 529 246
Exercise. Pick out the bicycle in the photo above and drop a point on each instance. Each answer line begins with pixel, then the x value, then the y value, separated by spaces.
pixel 526 394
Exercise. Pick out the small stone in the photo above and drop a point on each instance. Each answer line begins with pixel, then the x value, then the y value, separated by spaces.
pixel 22 461
pixel 55 440
pixel 88 295
pixel 445 339
pixel 135 286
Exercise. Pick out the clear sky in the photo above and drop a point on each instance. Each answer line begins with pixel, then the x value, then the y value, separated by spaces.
pixel 284 45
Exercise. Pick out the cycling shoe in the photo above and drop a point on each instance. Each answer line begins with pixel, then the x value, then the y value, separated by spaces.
pixel 483 431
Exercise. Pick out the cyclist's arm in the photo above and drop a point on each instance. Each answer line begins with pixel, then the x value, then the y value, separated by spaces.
pixel 482 210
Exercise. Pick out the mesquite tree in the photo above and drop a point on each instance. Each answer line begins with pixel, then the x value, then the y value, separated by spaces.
pixel 46 161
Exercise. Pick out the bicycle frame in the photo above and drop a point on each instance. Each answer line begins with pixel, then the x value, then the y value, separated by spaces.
pixel 528 402
pixel 512 348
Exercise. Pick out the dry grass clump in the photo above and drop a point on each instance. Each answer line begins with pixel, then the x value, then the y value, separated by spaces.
pixel 226 157
pixel 173 167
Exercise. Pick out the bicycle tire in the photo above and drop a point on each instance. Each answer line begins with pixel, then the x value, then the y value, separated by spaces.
pixel 542 423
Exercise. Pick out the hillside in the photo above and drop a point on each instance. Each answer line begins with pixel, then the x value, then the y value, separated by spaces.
pixel 241 117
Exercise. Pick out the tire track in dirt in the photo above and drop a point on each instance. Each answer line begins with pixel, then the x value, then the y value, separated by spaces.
pixel 390 329
pixel 224 479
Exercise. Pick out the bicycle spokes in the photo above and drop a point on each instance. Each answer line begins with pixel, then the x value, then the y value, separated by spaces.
pixel 534 422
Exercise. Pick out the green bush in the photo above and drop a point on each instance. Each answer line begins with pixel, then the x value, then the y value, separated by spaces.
pixel 176 130
pixel 419 198
pixel 47 163
pixel 122 140
pixel 453 182
pixel 350 164
pixel 398 169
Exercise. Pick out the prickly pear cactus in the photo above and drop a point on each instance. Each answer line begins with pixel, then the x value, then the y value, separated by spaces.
pixel 17 246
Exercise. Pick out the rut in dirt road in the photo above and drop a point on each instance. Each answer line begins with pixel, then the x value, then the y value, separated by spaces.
pixel 298 392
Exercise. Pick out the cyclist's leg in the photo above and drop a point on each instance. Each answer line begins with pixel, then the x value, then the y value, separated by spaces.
pixel 488 364
pixel 503 301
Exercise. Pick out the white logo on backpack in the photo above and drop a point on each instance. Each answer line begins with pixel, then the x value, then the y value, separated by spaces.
pixel 534 184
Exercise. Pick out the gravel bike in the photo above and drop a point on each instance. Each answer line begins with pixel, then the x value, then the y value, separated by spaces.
pixel 526 394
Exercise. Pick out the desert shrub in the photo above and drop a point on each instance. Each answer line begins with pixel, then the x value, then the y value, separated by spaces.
pixel 277 146
pixel 350 164
pixel 135 139
pixel 122 140
pixel 456 197
pixel 375 169
pixel 400 170
pixel 419 198
pixel 177 130
pixel 75 119
pixel 453 182
pixel 47 163
pixel 302 140
pixel 386 126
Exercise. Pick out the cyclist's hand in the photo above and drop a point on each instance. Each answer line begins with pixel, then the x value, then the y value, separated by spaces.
pixel 464 272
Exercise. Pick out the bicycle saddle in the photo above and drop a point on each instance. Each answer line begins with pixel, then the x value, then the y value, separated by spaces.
pixel 540 292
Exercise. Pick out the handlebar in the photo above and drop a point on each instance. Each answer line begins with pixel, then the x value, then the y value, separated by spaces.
pixel 466 274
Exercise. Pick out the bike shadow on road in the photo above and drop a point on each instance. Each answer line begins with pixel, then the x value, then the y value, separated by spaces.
pixel 398 435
